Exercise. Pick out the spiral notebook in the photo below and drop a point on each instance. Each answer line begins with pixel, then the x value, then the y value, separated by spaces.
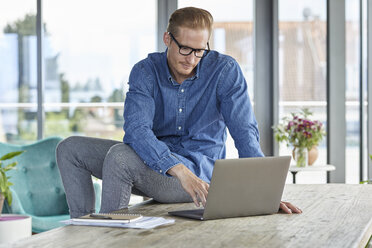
pixel 108 218
pixel 145 222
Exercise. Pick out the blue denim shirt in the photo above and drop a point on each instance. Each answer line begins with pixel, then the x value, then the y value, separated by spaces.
pixel 167 123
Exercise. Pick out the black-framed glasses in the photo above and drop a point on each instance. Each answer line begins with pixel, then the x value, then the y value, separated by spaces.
pixel 185 50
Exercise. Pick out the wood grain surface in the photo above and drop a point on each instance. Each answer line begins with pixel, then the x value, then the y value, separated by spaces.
pixel 334 215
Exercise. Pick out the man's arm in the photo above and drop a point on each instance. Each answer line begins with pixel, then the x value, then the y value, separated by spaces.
pixel 237 110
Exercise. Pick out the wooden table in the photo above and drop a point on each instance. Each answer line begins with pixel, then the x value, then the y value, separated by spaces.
pixel 295 169
pixel 335 215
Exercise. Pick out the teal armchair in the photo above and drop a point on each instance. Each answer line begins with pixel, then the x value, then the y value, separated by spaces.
pixel 38 190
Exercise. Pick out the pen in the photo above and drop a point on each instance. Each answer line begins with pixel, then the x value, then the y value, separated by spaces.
pixel 98 216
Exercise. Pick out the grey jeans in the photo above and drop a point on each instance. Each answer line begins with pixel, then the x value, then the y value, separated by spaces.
pixel 122 172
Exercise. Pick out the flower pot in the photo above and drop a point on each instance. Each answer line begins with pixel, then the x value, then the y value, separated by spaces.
pixel 2 198
pixel 313 155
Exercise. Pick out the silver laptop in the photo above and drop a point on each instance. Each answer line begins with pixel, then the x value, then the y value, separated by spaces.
pixel 243 187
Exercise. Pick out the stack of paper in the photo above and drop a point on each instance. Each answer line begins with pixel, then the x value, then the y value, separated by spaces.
pixel 143 223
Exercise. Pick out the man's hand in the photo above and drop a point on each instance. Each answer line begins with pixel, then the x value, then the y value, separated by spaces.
pixel 194 186
pixel 289 208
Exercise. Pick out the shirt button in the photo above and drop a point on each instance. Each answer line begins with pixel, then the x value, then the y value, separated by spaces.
pixel 182 90
pixel 179 128
pixel 180 110
pixel 160 171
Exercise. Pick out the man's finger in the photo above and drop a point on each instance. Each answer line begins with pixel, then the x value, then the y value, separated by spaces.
pixel 285 208
pixel 206 186
pixel 195 199
pixel 293 207
pixel 196 202
pixel 205 192
pixel 202 197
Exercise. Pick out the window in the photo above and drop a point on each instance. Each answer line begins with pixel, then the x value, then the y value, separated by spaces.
pixel 88 58
pixel 352 91
pixel 302 67
pixel 18 72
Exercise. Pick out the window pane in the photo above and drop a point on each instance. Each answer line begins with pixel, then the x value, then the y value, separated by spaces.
pixel 18 71
pixel 302 68
pixel 232 31
pixel 232 35
pixel 352 91
pixel 88 58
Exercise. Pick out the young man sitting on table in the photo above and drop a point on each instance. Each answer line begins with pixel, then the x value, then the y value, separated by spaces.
pixel 176 112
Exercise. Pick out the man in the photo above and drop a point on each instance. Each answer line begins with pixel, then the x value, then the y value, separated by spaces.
pixel 176 112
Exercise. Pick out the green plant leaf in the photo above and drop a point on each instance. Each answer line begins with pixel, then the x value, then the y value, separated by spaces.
pixel 4 183
pixel 2 176
pixel 2 186
pixel 8 196
pixel 11 155
pixel 10 166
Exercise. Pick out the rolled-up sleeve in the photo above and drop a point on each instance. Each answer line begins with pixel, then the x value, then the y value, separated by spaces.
pixel 139 110
pixel 237 110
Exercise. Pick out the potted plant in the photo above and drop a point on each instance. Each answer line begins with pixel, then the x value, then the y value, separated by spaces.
pixel 302 133
pixel 4 183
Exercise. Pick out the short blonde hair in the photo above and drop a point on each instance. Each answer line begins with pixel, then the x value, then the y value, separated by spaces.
pixel 190 17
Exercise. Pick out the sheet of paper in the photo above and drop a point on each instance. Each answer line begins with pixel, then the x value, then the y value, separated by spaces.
pixel 146 222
